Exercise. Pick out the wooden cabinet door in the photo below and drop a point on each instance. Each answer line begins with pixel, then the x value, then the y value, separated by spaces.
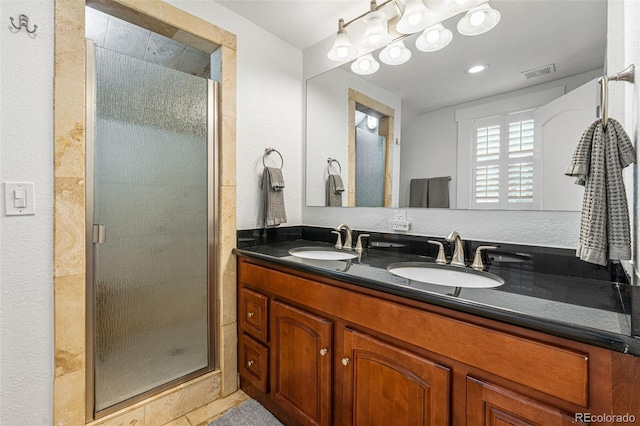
pixel 488 404
pixel 384 385
pixel 301 356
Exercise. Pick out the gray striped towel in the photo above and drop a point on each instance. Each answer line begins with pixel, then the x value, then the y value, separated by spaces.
pixel 273 211
pixel 597 164
pixel 334 190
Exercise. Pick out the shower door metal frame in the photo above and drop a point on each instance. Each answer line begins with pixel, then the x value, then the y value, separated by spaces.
pixel 213 138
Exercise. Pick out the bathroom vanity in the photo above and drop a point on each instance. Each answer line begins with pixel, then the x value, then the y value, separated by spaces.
pixel 345 343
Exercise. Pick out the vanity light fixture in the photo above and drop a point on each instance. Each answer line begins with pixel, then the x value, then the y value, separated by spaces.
pixel 434 38
pixel 376 34
pixel 411 17
pixel 365 65
pixel 342 49
pixel 395 54
pixel 478 20
pixel 416 17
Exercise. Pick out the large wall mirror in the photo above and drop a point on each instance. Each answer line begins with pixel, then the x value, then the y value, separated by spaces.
pixel 427 133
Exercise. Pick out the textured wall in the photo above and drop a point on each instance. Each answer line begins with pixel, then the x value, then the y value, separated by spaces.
pixel 26 242
pixel 559 229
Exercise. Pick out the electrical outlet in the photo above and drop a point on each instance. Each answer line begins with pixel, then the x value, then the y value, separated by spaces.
pixel 399 215
pixel 399 225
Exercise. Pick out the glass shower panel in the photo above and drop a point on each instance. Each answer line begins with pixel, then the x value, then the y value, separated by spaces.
pixel 370 168
pixel 150 194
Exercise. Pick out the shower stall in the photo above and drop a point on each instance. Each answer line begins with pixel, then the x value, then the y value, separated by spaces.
pixel 151 227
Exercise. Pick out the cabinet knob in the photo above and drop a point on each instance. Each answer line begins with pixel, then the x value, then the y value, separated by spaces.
pixel 250 363
pixel 345 361
pixel 323 351
pixel 250 314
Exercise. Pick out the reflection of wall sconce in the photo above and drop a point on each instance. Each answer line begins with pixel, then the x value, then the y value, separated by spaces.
pixel 395 54
pixel 365 65
pixel 415 16
pixel 372 122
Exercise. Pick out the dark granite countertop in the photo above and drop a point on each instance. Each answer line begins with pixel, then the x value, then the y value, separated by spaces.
pixel 593 311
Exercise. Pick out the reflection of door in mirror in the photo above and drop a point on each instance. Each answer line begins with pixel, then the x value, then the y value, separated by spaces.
pixel 369 152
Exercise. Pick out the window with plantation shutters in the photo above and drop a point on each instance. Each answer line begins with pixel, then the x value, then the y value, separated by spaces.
pixel 503 161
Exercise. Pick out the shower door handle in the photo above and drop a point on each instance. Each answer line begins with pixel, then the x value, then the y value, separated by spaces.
pixel 99 233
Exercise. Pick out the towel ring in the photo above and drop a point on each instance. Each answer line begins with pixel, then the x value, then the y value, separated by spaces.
pixel 333 160
pixel 268 151
pixel 627 75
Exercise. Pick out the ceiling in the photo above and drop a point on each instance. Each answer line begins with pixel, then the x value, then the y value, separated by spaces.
pixel 301 23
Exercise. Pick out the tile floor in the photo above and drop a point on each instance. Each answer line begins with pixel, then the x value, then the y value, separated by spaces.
pixel 205 414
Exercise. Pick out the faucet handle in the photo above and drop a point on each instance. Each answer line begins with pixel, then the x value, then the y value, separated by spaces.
pixel 339 240
pixel 477 261
pixel 359 248
pixel 442 258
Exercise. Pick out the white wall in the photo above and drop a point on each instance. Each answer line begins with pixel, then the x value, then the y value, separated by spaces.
pixel 26 242
pixel 269 110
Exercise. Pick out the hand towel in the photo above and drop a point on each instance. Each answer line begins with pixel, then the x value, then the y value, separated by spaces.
pixel 334 190
pixel 418 192
pixel 438 196
pixel 597 164
pixel 273 197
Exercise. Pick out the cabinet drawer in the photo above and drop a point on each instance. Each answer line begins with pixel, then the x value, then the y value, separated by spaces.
pixel 253 315
pixel 253 358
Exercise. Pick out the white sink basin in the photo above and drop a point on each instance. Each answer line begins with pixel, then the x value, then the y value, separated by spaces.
pixel 451 276
pixel 320 253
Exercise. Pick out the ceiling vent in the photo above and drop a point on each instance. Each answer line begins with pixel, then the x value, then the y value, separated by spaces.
pixel 539 72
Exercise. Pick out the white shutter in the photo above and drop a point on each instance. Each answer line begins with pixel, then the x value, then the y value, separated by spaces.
pixel 520 160
pixel 487 163
pixel 503 161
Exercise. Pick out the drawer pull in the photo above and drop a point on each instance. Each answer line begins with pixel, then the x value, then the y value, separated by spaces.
pixel 323 351
pixel 345 361
pixel 250 363
pixel 250 314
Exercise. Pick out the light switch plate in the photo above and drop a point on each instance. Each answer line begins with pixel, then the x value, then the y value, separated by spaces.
pixel 11 204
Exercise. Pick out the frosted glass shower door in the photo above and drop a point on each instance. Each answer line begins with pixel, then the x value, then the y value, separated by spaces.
pixel 150 199
pixel 370 168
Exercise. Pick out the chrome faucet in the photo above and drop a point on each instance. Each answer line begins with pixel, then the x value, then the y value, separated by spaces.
pixel 458 252
pixel 347 239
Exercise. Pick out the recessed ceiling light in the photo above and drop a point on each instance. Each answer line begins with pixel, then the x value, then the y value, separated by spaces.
pixel 476 69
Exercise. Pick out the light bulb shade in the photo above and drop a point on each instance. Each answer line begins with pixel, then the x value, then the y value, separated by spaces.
pixel 478 20
pixel 395 54
pixel 416 17
pixel 342 50
pixel 376 34
pixel 434 38
pixel 457 6
pixel 365 65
